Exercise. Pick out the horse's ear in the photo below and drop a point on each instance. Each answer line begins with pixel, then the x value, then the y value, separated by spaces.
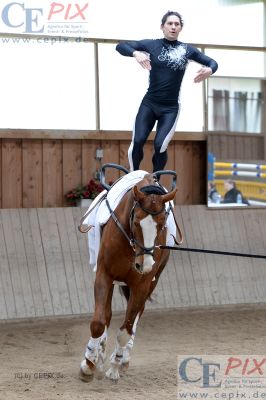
pixel 138 195
pixel 169 196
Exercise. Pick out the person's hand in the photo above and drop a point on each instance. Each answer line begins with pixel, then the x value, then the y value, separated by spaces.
pixel 203 73
pixel 143 59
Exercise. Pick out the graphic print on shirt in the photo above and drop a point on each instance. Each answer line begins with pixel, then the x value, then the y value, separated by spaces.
pixel 175 57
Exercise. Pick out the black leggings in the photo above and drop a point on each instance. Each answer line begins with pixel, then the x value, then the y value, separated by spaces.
pixel 147 115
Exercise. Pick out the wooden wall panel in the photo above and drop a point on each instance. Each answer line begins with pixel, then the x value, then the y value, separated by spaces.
pixel 51 275
pixel 240 147
pixel 199 172
pixel 236 146
pixel 248 149
pixel 72 172
pixel 39 172
pixel 52 173
pixel 32 195
pixel 146 163
pixel 183 167
pixel 8 304
pixel 1 169
pixel 111 154
pixel 222 148
pixel 170 165
pixel 123 149
pixel 89 162
pixel 232 148
pixel 11 173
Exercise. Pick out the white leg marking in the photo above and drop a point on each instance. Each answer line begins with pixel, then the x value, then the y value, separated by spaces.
pixel 117 356
pixel 129 346
pixel 119 359
pixel 95 353
pixel 123 337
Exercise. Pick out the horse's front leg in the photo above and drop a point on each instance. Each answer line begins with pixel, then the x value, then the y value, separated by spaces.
pixel 93 363
pixel 119 359
pixel 129 346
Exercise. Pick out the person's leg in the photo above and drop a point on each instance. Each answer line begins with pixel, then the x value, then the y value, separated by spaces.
pixel 144 123
pixel 164 133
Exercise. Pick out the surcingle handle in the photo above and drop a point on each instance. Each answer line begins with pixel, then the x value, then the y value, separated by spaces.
pixel 158 174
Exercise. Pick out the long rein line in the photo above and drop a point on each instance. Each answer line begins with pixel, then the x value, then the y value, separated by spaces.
pixel 206 251
pixel 224 253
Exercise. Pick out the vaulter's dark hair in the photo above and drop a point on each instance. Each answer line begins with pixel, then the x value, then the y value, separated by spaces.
pixel 169 13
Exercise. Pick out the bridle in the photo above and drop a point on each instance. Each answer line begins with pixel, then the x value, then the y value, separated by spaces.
pixel 134 243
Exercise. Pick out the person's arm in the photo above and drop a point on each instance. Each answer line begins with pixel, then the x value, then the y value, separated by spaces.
pixel 136 49
pixel 128 48
pixel 209 66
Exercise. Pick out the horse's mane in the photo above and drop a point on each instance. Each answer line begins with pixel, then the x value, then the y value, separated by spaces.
pixel 153 189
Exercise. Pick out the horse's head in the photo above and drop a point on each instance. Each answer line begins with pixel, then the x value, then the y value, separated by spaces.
pixel 148 223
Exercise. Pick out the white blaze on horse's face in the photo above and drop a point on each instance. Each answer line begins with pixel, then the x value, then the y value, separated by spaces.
pixel 149 232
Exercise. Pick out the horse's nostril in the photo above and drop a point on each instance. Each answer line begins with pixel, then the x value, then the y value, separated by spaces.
pixel 139 267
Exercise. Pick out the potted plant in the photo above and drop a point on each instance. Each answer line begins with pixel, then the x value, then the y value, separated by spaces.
pixel 82 196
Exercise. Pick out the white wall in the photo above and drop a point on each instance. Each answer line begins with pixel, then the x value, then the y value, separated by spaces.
pixel 48 83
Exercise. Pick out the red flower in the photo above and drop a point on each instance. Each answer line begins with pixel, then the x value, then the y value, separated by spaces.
pixel 89 191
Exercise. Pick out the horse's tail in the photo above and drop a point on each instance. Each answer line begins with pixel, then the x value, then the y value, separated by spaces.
pixel 125 291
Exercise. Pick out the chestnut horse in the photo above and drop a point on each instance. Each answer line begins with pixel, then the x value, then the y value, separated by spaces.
pixel 129 253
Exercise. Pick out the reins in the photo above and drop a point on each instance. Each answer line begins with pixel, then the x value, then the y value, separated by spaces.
pixel 118 223
pixel 224 253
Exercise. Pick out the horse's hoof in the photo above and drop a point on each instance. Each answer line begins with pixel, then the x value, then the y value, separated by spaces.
pixel 112 374
pixel 124 367
pixel 99 374
pixel 86 371
pixel 85 378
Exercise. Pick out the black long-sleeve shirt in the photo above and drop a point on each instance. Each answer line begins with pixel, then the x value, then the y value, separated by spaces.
pixel 169 60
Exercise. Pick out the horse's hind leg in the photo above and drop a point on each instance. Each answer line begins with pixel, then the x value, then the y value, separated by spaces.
pixel 93 363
